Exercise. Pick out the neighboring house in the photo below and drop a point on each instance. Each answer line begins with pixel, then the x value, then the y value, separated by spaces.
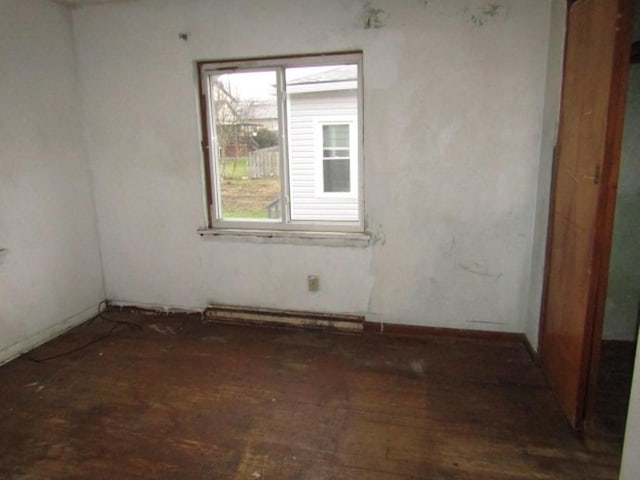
pixel 263 114
pixel 323 145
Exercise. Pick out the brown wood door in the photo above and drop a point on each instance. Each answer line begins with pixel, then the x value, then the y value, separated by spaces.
pixel 585 171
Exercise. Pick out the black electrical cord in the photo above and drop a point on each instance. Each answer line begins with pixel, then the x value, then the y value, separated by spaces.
pixel 73 350
pixel 101 310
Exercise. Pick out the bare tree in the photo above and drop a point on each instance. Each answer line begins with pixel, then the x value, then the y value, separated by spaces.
pixel 233 127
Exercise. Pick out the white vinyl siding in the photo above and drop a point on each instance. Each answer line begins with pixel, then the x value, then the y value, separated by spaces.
pixel 307 113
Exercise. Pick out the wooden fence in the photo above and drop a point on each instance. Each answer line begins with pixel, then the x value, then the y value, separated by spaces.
pixel 264 163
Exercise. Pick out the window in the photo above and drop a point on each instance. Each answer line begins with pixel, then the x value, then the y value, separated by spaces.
pixel 282 143
pixel 336 146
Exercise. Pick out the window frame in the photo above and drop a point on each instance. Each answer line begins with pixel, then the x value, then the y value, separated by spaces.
pixel 205 71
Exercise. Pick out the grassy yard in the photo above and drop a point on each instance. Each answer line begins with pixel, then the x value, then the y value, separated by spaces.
pixel 244 197
pixel 240 167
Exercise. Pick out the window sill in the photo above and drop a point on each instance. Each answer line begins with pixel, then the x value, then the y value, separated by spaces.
pixel 329 239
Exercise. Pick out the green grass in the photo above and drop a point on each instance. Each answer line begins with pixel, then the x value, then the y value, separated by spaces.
pixel 244 197
pixel 241 168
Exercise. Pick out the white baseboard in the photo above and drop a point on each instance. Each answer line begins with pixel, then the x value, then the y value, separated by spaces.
pixel 9 353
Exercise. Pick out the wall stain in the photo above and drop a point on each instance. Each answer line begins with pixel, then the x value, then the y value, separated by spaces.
pixel 485 14
pixel 451 246
pixel 377 236
pixel 480 270
pixel 373 17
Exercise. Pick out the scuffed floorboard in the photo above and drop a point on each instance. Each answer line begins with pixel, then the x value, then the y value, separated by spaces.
pixel 182 398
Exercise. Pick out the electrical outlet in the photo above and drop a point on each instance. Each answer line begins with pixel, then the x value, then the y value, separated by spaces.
pixel 313 282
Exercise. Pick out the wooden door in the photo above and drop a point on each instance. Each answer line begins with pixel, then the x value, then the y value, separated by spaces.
pixel 585 171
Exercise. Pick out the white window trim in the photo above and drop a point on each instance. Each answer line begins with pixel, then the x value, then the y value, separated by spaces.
pixel 318 123
pixel 291 229
pixel 297 237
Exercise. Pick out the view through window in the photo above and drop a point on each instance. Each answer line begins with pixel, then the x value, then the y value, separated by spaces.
pixel 282 142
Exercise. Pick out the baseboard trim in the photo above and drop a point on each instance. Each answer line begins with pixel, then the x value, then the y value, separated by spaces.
pixel 334 322
pixel 154 309
pixel 13 351
pixel 256 316
pixel 401 330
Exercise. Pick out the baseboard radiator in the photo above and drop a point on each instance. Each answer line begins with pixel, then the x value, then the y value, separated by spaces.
pixel 285 318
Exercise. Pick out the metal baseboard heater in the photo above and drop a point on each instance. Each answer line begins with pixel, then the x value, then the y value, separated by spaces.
pixel 285 318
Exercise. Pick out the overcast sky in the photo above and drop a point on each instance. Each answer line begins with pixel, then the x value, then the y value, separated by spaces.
pixel 260 85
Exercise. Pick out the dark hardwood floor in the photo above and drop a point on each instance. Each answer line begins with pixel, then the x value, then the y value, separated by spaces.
pixel 614 386
pixel 179 398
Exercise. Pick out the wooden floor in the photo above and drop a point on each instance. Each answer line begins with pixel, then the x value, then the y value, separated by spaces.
pixel 179 398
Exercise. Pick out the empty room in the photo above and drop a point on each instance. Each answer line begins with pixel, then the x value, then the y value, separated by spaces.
pixel 339 239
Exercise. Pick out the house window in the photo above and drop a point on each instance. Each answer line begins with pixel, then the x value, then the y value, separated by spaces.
pixel 281 141
pixel 336 158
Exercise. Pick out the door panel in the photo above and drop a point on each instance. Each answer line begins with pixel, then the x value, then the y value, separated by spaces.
pixel 581 182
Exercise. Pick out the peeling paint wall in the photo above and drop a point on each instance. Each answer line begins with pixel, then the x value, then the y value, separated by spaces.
pixel 453 122
pixel 50 274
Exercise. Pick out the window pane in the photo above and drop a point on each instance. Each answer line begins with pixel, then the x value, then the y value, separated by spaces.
pixel 333 153
pixel 300 77
pixel 335 136
pixel 336 175
pixel 335 160
pixel 322 121
pixel 247 151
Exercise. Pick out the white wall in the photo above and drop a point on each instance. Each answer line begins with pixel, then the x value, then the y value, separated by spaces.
pixel 453 107
pixel 548 140
pixel 50 277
